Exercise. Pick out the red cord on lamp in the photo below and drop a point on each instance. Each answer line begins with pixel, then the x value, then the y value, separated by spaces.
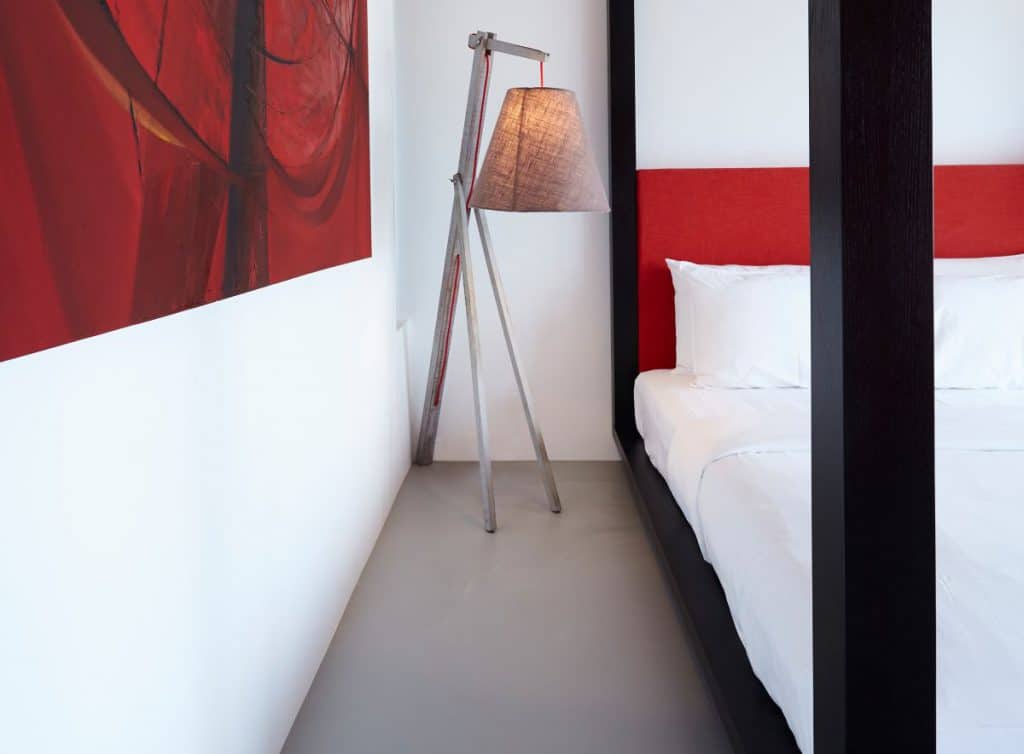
pixel 480 128
pixel 458 258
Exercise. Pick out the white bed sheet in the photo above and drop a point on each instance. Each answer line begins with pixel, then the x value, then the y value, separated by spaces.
pixel 738 463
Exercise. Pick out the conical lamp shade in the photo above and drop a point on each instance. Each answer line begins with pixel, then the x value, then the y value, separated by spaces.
pixel 539 159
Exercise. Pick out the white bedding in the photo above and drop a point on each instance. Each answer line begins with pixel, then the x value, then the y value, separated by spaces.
pixel 738 463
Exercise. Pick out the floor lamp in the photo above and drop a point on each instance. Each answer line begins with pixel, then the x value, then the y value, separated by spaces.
pixel 539 160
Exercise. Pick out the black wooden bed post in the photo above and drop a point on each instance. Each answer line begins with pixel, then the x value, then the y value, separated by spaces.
pixel 873 399
pixel 622 168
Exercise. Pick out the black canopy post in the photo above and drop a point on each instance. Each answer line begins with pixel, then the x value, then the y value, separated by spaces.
pixel 872 384
pixel 622 195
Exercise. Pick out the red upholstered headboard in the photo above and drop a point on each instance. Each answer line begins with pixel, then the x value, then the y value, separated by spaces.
pixel 762 216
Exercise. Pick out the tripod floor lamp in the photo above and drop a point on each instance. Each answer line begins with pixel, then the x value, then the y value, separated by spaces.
pixel 539 160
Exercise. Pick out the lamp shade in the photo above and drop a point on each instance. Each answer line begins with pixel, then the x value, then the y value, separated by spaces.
pixel 539 159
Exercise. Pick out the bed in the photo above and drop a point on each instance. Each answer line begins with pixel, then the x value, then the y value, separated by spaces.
pixel 738 465
pixel 723 476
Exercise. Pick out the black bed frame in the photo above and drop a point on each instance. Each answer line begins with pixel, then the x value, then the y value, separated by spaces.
pixel 873 428
pixel 753 721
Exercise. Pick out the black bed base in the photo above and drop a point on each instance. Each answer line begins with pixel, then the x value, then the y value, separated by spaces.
pixel 754 722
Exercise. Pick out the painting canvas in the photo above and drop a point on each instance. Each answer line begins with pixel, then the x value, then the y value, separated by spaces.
pixel 157 155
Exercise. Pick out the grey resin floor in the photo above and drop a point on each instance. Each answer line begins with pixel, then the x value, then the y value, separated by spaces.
pixel 556 634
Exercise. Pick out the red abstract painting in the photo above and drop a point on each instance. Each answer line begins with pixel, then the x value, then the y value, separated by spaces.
pixel 157 155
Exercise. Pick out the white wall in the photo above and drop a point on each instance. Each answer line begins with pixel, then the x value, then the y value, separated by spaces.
pixel 725 83
pixel 186 504
pixel 555 267
pixel 721 83
pixel 978 54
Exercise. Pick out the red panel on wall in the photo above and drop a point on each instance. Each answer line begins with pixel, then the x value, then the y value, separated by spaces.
pixel 762 216
pixel 162 155
pixel 979 210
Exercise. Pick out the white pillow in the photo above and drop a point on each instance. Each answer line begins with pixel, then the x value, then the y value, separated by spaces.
pixel 743 327
pixel 1013 265
pixel 979 332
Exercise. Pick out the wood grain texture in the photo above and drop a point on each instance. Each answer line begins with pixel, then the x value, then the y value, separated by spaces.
pixel 622 166
pixel 872 384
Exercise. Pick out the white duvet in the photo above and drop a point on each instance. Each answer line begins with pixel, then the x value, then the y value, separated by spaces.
pixel 738 463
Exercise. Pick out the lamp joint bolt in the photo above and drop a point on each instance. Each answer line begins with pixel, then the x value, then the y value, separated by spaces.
pixel 477 39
